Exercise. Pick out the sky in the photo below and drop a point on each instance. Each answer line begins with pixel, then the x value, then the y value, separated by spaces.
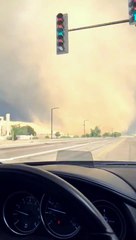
pixel 95 81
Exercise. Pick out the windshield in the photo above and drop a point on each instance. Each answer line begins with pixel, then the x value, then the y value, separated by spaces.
pixel 67 81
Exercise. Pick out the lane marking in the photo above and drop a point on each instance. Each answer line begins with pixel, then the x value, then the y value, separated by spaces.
pixel 47 146
pixel 54 150
pixel 103 144
pixel 107 149
pixel 44 144
pixel 42 153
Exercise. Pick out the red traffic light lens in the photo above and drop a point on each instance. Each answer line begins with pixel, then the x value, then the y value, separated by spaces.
pixel 59 22
pixel 60 37
pixel 60 44
pixel 60 26
pixel 60 41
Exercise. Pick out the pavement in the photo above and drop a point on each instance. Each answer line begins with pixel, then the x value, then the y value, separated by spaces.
pixel 124 150
pixel 109 149
pixel 21 143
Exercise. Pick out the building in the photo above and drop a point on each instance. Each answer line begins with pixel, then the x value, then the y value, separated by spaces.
pixel 5 126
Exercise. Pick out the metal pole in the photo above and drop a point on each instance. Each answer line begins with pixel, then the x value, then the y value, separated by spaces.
pixel 99 25
pixel 52 121
pixel 84 126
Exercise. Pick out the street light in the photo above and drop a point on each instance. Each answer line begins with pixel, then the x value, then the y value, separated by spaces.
pixel 85 126
pixel 52 109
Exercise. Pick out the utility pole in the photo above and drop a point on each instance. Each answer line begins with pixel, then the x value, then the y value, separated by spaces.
pixel 85 126
pixel 52 109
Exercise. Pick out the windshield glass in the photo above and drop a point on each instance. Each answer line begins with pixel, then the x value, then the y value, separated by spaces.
pixel 67 81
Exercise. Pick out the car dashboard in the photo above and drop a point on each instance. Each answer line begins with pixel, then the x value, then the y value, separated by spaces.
pixel 28 212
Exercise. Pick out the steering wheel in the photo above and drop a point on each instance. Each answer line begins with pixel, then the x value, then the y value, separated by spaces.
pixel 99 229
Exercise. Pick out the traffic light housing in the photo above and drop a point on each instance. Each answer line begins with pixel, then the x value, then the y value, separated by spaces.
pixel 61 33
pixel 132 12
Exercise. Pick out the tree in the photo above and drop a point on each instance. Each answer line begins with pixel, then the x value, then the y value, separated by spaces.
pixel 57 134
pixel 65 136
pixel 30 131
pixel 13 133
pixel 25 130
pixel 75 136
pixel 106 134
pixel 116 134
pixel 47 136
pixel 113 134
pixel 96 132
pixel 87 135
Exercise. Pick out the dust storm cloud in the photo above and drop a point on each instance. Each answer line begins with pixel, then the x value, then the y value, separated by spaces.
pixel 95 81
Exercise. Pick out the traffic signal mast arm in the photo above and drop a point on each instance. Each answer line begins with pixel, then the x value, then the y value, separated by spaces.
pixel 62 27
pixel 62 31
pixel 99 25
pixel 131 20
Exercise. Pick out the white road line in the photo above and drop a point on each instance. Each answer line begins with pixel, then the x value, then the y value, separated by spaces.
pixel 42 153
pixel 42 145
pixel 52 151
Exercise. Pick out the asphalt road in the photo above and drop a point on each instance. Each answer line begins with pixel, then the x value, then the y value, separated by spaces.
pixel 123 148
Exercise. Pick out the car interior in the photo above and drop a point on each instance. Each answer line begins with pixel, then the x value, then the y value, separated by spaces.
pixel 68 200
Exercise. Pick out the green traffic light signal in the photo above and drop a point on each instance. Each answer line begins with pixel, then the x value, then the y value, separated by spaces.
pixel 132 12
pixel 61 33
pixel 134 15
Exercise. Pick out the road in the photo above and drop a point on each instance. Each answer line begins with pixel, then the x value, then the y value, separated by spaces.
pixel 123 148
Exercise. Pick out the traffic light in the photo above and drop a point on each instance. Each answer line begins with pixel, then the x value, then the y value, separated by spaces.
pixel 132 11
pixel 61 33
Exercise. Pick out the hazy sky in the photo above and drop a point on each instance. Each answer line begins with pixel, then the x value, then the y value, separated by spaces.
pixel 95 81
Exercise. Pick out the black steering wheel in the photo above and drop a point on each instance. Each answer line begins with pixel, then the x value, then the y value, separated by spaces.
pixel 99 229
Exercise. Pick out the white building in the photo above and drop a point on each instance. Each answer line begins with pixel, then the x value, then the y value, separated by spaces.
pixel 5 126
